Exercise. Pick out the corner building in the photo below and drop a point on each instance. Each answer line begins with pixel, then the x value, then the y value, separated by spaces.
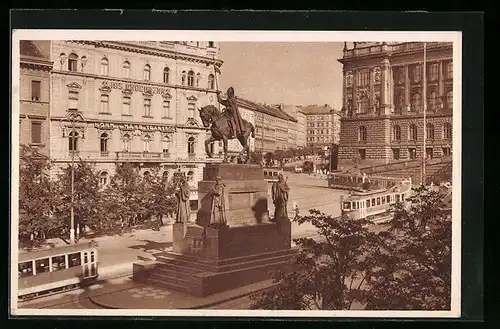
pixel 139 101
pixel 382 114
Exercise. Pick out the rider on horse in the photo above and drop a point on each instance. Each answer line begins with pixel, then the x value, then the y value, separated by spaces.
pixel 232 112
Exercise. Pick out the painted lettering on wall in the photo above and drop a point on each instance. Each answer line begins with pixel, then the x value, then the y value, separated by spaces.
pixel 130 126
pixel 136 87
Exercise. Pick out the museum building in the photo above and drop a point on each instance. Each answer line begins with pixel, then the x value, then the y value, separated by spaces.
pixel 382 115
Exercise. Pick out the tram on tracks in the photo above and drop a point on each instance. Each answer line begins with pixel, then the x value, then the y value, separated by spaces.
pixel 49 271
pixel 375 205
pixel 271 174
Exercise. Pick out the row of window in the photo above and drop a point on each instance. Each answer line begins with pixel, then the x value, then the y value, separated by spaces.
pixel 363 77
pixel 187 78
pixel 320 139
pixel 412 132
pixel 319 131
pixel 58 263
pixel 430 152
pixel 126 140
pixel 104 176
pixel 416 103
pixel 147 109
pixel 320 124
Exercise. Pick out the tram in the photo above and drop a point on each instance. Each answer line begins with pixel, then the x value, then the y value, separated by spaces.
pixel 375 205
pixel 48 271
pixel 271 174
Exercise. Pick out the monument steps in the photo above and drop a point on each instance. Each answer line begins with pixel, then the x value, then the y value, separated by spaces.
pixel 181 270
pixel 163 277
pixel 167 285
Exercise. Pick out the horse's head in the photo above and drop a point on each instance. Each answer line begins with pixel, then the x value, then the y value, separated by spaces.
pixel 208 114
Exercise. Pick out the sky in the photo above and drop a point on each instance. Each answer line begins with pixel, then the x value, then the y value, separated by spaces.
pixel 292 73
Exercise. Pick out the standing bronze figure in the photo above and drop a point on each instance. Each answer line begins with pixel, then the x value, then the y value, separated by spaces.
pixel 280 192
pixel 217 214
pixel 227 125
pixel 182 194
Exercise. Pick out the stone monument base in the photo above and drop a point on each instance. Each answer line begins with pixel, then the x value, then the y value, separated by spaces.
pixel 227 258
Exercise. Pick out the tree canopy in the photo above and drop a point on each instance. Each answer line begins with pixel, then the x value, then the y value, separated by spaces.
pixel 349 265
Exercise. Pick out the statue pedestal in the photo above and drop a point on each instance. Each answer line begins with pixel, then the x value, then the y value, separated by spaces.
pixel 212 260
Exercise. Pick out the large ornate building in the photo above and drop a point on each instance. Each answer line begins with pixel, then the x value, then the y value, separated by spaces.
pixel 382 115
pixel 139 104
pixel 322 124
pixel 34 94
pixel 297 128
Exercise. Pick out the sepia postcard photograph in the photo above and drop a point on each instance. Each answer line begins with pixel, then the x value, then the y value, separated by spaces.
pixel 246 173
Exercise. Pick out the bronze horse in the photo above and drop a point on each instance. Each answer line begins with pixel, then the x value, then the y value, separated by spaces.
pixel 220 127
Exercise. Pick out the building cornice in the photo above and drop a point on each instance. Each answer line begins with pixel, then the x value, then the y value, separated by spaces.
pixel 35 62
pixel 151 50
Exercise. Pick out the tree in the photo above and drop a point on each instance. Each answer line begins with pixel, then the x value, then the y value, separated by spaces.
pixel 160 197
pixel 37 199
pixel 86 196
pixel 329 272
pixel 279 155
pixel 414 271
pixel 125 198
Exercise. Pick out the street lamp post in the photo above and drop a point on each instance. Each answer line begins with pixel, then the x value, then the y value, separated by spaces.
pixel 73 116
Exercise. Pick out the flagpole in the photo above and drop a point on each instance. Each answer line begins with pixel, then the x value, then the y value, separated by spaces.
pixel 424 91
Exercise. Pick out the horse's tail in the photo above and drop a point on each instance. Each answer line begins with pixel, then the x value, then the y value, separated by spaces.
pixel 253 130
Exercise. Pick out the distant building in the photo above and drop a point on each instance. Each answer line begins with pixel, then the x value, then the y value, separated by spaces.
pixel 297 135
pixel 323 125
pixel 382 114
pixel 34 94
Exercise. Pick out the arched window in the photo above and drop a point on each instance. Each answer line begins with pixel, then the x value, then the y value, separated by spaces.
pixel 72 62
pixel 396 133
pixel 416 102
pixel 104 104
pixel 165 144
pixel 412 132
pixel 449 99
pixel 191 142
pixel 190 176
pixel 433 98
pixel 430 131
pixel 198 79
pixel 147 72
pixel 183 78
pixel 126 143
pixel 146 143
pixel 211 82
pixel 126 105
pixel 190 78
pixel 165 176
pixel 103 178
pixel 166 75
pixel 73 141
pixel 447 131
pixel 126 69
pixel 104 142
pixel 362 133
pixel 104 66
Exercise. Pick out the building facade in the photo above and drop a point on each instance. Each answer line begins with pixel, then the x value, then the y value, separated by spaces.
pixel 297 129
pixel 272 127
pixel 34 94
pixel 322 125
pixel 138 102
pixel 382 114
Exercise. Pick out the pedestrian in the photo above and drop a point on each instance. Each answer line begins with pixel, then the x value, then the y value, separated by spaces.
pixel 296 209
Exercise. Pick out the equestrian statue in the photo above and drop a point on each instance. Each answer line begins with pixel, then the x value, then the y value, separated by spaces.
pixel 227 124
